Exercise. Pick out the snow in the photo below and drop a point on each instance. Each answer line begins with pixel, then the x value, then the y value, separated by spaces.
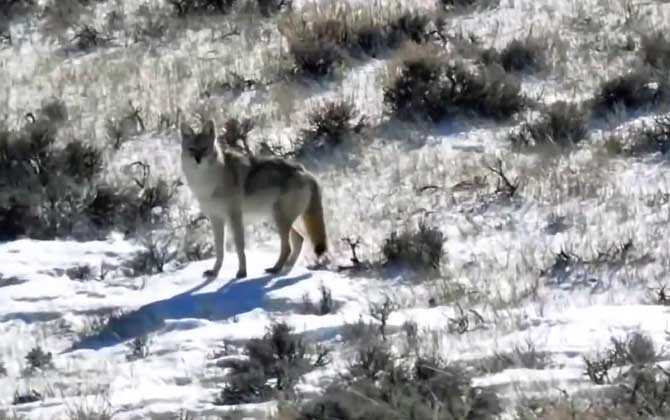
pixel 185 316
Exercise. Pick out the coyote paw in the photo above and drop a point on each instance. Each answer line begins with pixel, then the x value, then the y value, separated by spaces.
pixel 210 273
pixel 272 270
pixel 241 274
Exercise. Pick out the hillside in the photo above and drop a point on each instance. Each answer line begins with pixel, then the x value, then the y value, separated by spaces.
pixel 495 187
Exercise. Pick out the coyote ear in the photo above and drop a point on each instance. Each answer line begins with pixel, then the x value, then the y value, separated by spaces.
pixel 186 131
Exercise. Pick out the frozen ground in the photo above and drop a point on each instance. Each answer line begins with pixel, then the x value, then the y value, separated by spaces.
pixel 496 250
pixel 187 319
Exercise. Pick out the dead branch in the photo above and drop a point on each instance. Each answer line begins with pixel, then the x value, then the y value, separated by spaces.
pixel 504 183
pixel 428 188
pixel 134 114
pixel 357 264
pixel 146 172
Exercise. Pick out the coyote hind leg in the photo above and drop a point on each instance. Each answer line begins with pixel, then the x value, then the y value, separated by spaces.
pixel 284 219
pixel 296 247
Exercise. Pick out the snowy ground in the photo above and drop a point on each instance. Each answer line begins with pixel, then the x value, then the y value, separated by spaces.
pixel 188 319
pixel 185 317
pixel 583 202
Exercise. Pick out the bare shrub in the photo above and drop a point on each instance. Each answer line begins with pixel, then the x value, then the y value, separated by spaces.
pixel 115 20
pixel 59 15
pixel 98 324
pixel 356 263
pixel 638 391
pixel 235 134
pixel 234 84
pixel 158 250
pixel 329 126
pixel 190 7
pixel 83 412
pixel 359 331
pixel 54 110
pixel 82 272
pixel 529 357
pixel 505 186
pixel 374 35
pixel 429 389
pixel 371 360
pixel 151 24
pixel 523 355
pixel 410 330
pixel 638 88
pixel 598 369
pixel 650 138
pixel 38 360
pixel 130 208
pixel 9 9
pixel 91 407
pixel 138 348
pixel 112 206
pixel 14 219
pixel 407 27
pixel 324 306
pixel 115 133
pixel 269 7
pixel 655 50
pixel 526 55
pixel 569 408
pixel 561 125
pixel 468 5
pixel 151 194
pixel 326 303
pixel 5 36
pixel 635 349
pixel 119 129
pixel 567 263
pixel 192 245
pixel 645 390
pixel 653 139
pixel 416 89
pixel 81 161
pixel 248 384
pixel 381 312
pixel 419 249
pixel 464 321
pixel 29 154
pixel 275 362
pixel 662 296
pixel 314 58
pixel 47 189
pixel 429 86
pixel 325 41
pixel 234 414
pixel 88 37
pixel 338 403
pixel 27 397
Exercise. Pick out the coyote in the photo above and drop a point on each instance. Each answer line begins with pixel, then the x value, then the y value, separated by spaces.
pixel 238 189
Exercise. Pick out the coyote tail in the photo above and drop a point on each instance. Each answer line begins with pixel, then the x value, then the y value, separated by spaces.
pixel 313 219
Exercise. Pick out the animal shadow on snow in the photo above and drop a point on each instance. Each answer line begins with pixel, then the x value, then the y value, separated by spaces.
pixel 234 298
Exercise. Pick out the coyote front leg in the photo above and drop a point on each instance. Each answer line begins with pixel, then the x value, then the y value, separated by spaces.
pixel 219 230
pixel 237 225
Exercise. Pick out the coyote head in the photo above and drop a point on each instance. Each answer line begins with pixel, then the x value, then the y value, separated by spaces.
pixel 198 146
